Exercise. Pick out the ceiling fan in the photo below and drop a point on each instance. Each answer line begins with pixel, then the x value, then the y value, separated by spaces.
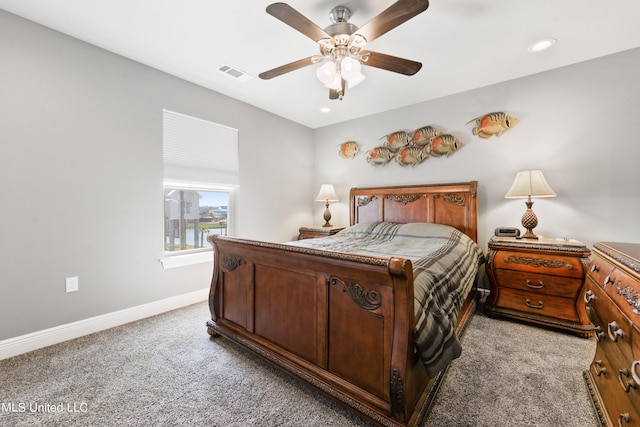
pixel 341 44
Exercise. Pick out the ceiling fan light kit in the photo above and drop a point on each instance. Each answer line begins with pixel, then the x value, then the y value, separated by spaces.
pixel 341 44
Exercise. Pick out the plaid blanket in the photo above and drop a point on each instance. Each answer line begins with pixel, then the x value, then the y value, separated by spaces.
pixel 445 263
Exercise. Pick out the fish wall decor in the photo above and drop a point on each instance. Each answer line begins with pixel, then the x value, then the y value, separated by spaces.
pixel 410 148
pixel 349 149
pixel 379 156
pixel 492 124
pixel 423 135
pixel 396 140
pixel 411 156
pixel 444 144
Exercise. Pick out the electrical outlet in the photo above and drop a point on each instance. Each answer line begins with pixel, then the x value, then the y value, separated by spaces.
pixel 72 284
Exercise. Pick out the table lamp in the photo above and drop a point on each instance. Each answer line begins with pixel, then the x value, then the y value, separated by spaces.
pixel 327 194
pixel 529 183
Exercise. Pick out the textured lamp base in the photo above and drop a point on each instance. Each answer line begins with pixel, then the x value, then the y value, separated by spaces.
pixel 327 216
pixel 529 221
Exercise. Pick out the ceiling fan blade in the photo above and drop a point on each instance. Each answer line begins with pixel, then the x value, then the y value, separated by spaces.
pixel 295 19
pixel 338 94
pixel 396 14
pixel 292 66
pixel 391 63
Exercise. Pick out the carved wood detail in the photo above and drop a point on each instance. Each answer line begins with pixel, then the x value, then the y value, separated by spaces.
pixel 630 295
pixel 405 198
pixel 534 262
pixel 397 391
pixel 623 259
pixel 368 300
pixel 231 262
pixel 455 199
pixel 365 200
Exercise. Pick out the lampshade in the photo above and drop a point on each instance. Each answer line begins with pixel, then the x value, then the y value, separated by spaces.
pixel 350 70
pixel 327 194
pixel 327 72
pixel 530 183
pixel 331 75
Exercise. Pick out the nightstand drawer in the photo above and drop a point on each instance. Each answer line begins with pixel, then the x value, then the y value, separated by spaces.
pixel 541 305
pixel 539 283
pixel 540 263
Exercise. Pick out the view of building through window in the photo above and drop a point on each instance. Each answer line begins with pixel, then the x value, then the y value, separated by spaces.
pixel 190 215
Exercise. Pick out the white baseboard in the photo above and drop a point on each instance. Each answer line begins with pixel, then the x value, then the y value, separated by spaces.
pixel 35 340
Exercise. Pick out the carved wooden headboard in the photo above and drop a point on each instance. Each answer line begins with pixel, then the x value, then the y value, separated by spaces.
pixel 450 204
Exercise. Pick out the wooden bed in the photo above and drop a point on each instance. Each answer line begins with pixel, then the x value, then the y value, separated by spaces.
pixel 341 322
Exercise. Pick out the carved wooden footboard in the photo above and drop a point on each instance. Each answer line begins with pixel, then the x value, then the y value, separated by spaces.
pixel 343 323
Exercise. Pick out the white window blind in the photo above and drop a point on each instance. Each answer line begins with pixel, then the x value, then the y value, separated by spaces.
pixel 198 150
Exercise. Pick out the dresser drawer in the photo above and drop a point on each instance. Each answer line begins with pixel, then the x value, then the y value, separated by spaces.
pixel 539 283
pixel 599 270
pixel 625 292
pixel 538 304
pixel 540 263
pixel 616 329
pixel 635 345
pixel 618 399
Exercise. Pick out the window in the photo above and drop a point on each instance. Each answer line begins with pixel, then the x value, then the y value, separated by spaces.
pixel 201 176
pixel 190 215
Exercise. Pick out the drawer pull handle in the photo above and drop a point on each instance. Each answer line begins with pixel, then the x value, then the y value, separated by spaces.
pixel 538 306
pixel 595 268
pixel 608 280
pixel 599 333
pixel 621 418
pixel 588 297
pixel 625 384
pixel 597 367
pixel 540 284
pixel 617 332
pixel 634 373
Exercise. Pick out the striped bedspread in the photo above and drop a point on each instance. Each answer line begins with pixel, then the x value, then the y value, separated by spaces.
pixel 445 263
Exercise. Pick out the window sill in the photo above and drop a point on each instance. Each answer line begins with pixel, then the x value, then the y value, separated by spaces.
pixel 186 259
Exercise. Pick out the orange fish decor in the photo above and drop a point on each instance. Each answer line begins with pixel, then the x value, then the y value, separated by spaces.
pixel 413 148
pixel 411 156
pixel 349 149
pixel 422 136
pixel 379 156
pixel 442 145
pixel 396 140
pixel 492 124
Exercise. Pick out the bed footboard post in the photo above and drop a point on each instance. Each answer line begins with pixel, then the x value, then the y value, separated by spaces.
pixel 213 296
pixel 400 388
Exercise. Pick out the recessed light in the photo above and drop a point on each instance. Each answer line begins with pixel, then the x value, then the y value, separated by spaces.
pixel 325 110
pixel 542 45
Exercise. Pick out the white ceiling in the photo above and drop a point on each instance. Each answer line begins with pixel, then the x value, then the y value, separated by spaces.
pixel 462 44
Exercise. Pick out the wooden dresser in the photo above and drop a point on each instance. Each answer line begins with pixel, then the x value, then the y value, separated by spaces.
pixel 612 298
pixel 539 281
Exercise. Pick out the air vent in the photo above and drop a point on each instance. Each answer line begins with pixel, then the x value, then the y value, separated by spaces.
pixel 234 73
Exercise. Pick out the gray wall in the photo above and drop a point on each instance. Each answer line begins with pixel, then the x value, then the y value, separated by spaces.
pixel 81 164
pixel 578 124
pixel 81 168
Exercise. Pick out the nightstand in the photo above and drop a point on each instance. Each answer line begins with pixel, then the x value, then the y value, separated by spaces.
pixel 539 281
pixel 317 231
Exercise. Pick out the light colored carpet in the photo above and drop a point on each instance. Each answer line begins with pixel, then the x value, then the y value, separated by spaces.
pixel 166 371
